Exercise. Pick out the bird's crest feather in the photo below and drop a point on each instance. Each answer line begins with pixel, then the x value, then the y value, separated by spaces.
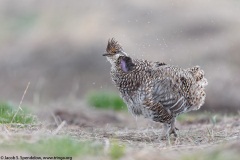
pixel 113 46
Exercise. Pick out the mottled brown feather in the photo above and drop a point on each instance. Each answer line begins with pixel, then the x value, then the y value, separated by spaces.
pixel 156 90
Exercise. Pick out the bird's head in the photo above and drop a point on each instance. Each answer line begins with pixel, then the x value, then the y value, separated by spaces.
pixel 114 51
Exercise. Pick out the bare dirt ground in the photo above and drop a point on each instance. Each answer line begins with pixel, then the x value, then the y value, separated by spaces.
pixel 201 132
pixel 196 130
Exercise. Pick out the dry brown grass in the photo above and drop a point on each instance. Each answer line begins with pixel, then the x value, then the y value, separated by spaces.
pixel 193 138
pixel 199 133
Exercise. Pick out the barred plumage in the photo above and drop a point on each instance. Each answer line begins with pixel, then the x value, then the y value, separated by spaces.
pixel 156 90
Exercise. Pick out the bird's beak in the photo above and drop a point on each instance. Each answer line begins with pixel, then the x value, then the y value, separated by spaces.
pixel 121 52
pixel 106 54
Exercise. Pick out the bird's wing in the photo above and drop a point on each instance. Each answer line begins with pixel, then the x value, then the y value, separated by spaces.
pixel 168 93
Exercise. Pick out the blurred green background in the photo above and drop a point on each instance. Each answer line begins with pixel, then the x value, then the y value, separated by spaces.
pixel 58 45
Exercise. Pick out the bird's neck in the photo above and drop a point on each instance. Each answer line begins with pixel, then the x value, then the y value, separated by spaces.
pixel 123 64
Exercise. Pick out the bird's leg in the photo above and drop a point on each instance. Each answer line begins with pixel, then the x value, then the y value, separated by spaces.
pixel 173 128
pixel 169 128
pixel 166 132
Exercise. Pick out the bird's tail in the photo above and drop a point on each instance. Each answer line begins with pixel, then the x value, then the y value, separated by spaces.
pixel 198 89
pixel 198 74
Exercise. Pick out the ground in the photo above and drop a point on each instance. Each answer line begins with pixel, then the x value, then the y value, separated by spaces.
pixel 113 135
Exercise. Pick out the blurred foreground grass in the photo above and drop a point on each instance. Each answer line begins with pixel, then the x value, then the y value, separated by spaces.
pixel 116 150
pixel 216 153
pixel 10 114
pixel 106 100
pixel 55 146
pixel 62 146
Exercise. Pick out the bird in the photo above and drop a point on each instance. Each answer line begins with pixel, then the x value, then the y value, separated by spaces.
pixel 156 90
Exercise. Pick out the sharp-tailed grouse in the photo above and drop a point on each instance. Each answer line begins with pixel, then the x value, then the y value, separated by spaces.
pixel 154 89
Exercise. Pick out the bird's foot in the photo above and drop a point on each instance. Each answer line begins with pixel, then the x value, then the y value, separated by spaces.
pixel 174 131
pixel 166 136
